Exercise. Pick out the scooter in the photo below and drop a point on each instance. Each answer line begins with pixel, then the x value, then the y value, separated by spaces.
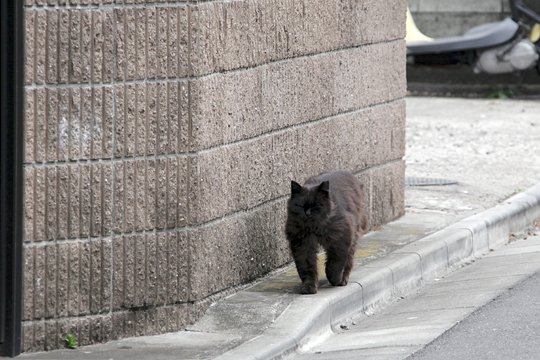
pixel 510 45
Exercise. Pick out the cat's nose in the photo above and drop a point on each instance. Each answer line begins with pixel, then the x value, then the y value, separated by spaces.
pixel 308 212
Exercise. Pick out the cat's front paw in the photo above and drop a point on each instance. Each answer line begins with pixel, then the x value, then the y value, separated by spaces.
pixel 308 289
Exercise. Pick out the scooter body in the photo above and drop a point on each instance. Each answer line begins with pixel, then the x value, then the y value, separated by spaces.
pixel 510 45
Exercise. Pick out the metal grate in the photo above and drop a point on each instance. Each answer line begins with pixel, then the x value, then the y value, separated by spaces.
pixel 421 181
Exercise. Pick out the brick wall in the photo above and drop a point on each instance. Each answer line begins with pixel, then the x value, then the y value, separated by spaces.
pixel 161 138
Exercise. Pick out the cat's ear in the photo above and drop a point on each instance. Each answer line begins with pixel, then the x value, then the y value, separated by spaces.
pixel 324 188
pixel 296 188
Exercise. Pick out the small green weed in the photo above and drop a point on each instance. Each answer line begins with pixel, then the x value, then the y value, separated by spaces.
pixel 500 93
pixel 71 341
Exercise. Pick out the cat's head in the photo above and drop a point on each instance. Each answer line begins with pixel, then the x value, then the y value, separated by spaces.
pixel 310 204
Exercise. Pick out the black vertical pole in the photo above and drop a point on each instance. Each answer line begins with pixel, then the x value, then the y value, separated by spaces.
pixel 11 173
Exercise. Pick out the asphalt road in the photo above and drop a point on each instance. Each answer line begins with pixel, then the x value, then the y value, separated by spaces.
pixel 507 328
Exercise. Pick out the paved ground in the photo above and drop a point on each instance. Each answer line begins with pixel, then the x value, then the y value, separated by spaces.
pixel 490 147
pixel 507 328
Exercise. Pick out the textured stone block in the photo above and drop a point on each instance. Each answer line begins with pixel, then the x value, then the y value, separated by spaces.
pixel 63 45
pixel 39 281
pixel 51 201
pixel 39 205
pixel 244 37
pixel 230 178
pixel 52 125
pixel 236 249
pixel 85 199
pixel 85 288
pixel 75 124
pixel 29 204
pixel 387 192
pixel 74 283
pixel 237 105
pixel 64 114
pixel 62 202
pixel 151 119
pixel 29 46
pixel 40 41
pixel 141 44
pixel 62 278
pixel 74 220
pixel 51 65
pixel 40 125
pixel 28 282
pixel 84 68
pixel 29 125
pixel 387 132
pixel 50 280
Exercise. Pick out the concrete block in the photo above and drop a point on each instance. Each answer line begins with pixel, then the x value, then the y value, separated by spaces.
pixel 96 200
pixel 29 46
pixel 387 192
pixel 39 336
pixel 52 34
pixel 140 119
pixel 62 271
pixel 130 205
pixel 64 114
pixel 27 338
pixel 387 132
pixel 40 125
pixel 117 274
pixel 140 275
pixel 40 204
pixel 377 285
pixel 141 45
pixel 108 49
pixel 107 199
pixel 74 206
pixel 85 287
pixel 86 122
pixel 86 47
pixel 153 62
pixel 152 126
pixel 85 199
pixel 74 283
pixel 52 121
pixel 244 37
pixel 478 229
pixel 29 126
pixel 74 133
pixel 152 190
pixel 151 268
pixel 28 283
pixel 433 255
pixel 228 179
pixel 140 193
pixel 238 105
pixel 63 45
pixel 371 21
pixel 40 269
pixel 29 204
pixel 40 41
pixel 239 249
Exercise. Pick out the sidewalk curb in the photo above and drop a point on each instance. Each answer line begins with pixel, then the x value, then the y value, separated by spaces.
pixel 398 273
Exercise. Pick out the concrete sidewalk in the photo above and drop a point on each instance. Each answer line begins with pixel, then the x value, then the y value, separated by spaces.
pixel 491 148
